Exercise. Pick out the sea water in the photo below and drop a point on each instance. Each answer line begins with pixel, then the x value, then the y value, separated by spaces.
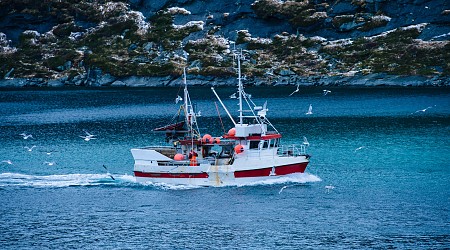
pixel 379 175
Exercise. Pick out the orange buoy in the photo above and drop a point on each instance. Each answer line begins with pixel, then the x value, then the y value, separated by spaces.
pixel 232 132
pixel 178 157
pixel 238 149
pixel 217 140
pixel 207 138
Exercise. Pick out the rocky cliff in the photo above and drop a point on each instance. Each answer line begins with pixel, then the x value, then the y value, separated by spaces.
pixel 147 43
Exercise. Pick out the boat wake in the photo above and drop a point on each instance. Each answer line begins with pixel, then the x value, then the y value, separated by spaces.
pixel 64 180
pixel 296 178
pixel 74 180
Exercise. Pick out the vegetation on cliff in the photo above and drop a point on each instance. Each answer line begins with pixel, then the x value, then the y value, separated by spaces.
pixel 111 37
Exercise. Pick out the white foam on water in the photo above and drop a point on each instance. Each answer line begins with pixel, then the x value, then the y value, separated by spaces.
pixel 64 180
pixel 126 178
pixel 167 186
pixel 69 180
pixel 299 178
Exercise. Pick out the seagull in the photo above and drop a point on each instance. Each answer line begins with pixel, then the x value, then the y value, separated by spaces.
pixel 305 141
pixel 281 190
pixel 326 91
pixel 359 148
pixel 30 149
pixel 108 173
pixel 329 188
pixel 422 110
pixel 50 163
pixel 199 113
pixel 309 110
pixel 88 136
pixel 178 99
pixel 295 91
pixel 7 162
pixel 25 136
pixel 233 96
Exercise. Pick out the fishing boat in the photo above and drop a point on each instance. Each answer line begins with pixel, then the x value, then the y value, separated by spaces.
pixel 251 151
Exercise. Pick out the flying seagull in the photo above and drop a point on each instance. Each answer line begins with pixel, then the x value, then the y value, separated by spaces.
pixel 108 173
pixel 329 188
pixel 309 110
pixel 88 136
pixel 30 149
pixel 7 162
pixel 305 141
pixel 423 110
pixel 178 99
pixel 295 91
pixel 50 163
pixel 281 190
pixel 25 136
pixel 326 91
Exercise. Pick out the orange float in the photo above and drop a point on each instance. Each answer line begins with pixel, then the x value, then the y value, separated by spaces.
pixel 207 138
pixel 238 149
pixel 217 140
pixel 178 157
pixel 232 132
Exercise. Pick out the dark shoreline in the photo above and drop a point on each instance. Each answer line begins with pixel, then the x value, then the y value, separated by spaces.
pixel 108 81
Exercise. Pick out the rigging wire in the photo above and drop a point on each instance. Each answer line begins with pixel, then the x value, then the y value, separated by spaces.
pixel 218 113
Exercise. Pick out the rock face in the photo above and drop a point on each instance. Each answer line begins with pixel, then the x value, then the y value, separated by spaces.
pixel 147 43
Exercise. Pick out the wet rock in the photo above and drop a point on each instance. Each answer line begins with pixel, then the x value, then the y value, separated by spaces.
pixel 103 80
pixel 118 83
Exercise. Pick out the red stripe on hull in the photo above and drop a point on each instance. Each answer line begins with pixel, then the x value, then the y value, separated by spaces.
pixel 170 175
pixel 279 170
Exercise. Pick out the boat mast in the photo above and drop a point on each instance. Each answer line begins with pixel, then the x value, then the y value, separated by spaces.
pixel 238 56
pixel 190 115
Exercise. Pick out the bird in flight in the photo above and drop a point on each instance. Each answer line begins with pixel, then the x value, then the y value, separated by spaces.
pixel 25 136
pixel 281 190
pixel 30 149
pixel 88 136
pixel 309 110
pixel 423 110
pixel 9 162
pixel 305 141
pixel 295 91
pixel 329 188
pixel 326 91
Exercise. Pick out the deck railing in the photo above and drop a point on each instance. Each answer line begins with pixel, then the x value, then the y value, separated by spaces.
pixel 292 150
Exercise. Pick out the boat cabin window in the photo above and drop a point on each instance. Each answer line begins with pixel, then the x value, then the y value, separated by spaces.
pixel 274 143
pixel 259 144
pixel 254 144
pixel 227 151
pixel 216 151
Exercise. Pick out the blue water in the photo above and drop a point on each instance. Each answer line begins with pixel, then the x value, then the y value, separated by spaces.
pixel 379 175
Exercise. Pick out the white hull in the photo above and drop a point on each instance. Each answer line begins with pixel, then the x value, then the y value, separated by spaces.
pixel 245 169
pixel 207 182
